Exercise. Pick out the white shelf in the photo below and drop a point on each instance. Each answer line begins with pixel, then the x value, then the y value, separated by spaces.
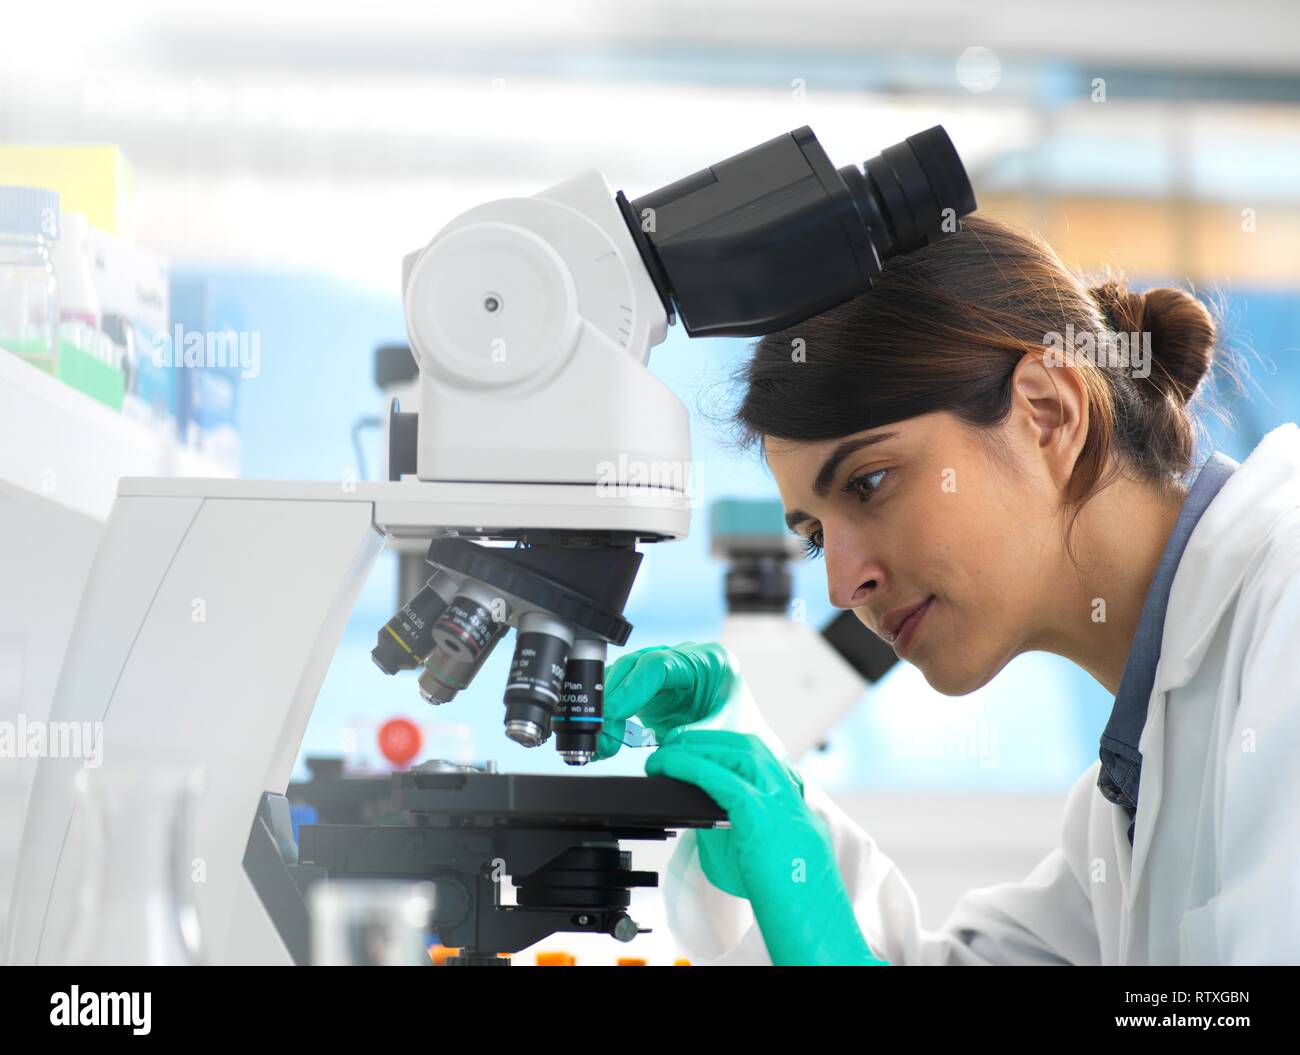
pixel 59 444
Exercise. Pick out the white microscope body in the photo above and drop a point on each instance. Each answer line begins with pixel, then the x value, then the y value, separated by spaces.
pixel 215 606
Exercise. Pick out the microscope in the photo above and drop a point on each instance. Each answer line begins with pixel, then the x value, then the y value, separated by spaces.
pixel 542 453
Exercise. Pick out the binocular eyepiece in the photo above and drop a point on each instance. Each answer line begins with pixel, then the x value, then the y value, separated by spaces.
pixel 776 234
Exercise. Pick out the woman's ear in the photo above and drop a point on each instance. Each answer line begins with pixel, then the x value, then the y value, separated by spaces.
pixel 1049 408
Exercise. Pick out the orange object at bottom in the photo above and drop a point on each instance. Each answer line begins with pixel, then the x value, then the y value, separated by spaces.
pixel 556 959
pixel 439 953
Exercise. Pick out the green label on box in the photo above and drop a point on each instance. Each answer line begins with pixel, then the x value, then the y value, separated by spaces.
pixel 98 379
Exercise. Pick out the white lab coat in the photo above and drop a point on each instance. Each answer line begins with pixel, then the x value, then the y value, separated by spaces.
pixel 1213 876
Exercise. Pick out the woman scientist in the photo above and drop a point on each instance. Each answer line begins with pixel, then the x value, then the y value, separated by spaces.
pixel 977 492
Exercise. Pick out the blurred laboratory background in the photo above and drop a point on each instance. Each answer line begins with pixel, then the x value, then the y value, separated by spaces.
pixel 259 170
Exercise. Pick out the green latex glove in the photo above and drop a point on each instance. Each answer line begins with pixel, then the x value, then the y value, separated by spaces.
pixel 778 853
pixel 666 687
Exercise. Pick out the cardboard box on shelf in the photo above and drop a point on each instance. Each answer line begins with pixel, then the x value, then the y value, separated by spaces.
pixel 95 179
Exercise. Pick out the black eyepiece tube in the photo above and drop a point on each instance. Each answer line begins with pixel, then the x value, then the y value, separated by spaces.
pixel 775 235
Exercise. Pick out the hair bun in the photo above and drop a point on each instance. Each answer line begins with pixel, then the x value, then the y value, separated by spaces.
pixel 1183 334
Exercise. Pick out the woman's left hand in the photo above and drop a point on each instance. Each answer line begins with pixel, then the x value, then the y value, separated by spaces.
pixel 777 854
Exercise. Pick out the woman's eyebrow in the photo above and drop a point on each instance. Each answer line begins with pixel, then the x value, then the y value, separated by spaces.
pixel 826 474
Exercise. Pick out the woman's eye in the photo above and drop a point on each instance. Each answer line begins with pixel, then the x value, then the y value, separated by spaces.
pixel 812 544
pixel 812 548
pixel 872 479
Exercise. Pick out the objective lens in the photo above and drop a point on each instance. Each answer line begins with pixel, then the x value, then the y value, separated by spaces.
pixel 445 674
pixel 467 628
pixel 581 709
pixel 536 677
pixel 408 637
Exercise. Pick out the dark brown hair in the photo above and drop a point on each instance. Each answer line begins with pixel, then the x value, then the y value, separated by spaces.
pixel 943 328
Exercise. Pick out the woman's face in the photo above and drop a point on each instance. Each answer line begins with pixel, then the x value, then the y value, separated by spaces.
pixel 929 512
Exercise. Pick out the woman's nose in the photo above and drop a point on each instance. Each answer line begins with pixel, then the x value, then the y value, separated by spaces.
pixel 853 577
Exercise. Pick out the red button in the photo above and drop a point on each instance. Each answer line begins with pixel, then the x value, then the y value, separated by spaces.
pixel 399 740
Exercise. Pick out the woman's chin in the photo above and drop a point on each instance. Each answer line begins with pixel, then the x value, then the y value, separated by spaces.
pixel 953 681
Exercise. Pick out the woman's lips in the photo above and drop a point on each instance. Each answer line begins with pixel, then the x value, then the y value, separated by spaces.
pixel 908 628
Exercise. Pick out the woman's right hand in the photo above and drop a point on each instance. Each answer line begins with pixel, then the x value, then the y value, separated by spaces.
pixel 666 687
